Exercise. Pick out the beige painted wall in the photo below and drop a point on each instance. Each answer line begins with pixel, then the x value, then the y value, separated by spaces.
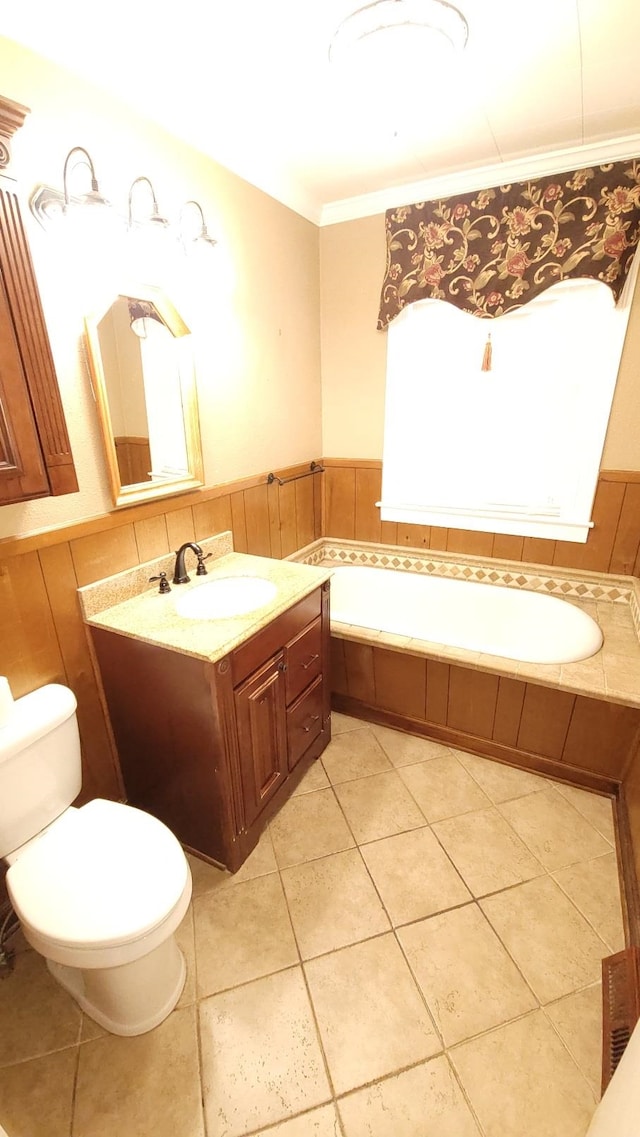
pixel 352 258
pixel 252 304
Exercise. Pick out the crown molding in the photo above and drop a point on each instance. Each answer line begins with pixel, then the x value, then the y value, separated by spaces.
pixel 481 177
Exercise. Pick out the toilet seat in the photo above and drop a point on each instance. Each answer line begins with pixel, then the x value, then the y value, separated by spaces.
pixel 101 876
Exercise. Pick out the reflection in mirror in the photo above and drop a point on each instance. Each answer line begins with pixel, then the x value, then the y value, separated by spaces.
pixel 142 366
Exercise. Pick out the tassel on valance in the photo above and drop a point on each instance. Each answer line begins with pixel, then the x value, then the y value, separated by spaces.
pixel 492 251
pixel 487 354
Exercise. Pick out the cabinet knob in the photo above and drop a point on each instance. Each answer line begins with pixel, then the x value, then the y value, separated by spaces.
pixel 282 666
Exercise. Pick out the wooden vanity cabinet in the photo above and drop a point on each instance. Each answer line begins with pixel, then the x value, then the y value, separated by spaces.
pixel 214 749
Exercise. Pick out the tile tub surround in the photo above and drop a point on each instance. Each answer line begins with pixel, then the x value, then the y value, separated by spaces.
pixel 368 984
pixel 128 604
pixel 613 674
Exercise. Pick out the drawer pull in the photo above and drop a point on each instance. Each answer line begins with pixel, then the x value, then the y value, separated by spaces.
pixel 306 666
pixel 314 718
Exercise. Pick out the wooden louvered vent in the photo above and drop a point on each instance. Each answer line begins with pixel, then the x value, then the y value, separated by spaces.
pixel 620 1007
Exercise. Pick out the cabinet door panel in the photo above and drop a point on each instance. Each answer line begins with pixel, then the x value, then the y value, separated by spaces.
pixel 22 471
pixel 261 717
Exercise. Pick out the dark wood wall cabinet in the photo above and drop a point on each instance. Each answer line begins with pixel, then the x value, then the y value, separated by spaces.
pixel 214 749
pixel 35 455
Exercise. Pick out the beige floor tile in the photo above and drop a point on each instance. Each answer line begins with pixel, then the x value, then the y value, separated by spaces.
pixel 554 831
pixel 332 903
pixel 355 754
pixel 553 945
pixel 578 1020
pixel 500 782
pixel 36 1098
pixel 208 878
pixel 42 1015
pixel 341 723
pixel 148 1085
pixel 186 942
pixel 466 976
pixel 379 806
pixel 486 851
pixel 309 826
pixel 370 1014
pixel 242 933
pixel 314 779
pixel 322 1122
pixel 261 1059
pixel 594 887
pixel 423 1102
pixel 522 1083
pixel 414 877
pixel 595 807
pixel 406 749
pixel 443 788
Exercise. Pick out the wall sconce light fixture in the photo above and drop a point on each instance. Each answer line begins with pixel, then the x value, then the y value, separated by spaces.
pixel 191 235
pixel 48 204
pixel 93 197
pixel 152 218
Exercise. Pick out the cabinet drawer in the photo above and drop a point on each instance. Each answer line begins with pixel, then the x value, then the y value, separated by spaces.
pixel 271 639
pixel 303 657
pixel 304 721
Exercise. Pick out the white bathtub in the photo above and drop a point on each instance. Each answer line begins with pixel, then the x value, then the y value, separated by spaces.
pixel 510 622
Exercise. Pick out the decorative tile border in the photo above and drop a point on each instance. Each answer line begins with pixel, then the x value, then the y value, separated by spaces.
pixel 576 586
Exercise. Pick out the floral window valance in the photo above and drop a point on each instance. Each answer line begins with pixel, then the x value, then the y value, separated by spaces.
pixel 493 250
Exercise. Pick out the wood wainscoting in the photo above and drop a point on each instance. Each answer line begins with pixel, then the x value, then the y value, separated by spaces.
pixel 353 486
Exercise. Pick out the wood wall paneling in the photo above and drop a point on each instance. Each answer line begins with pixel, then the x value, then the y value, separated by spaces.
pixel 358 660
pixel 437 701
pixel 508 710
pixel 352 487
pixel 338 667
pixel 400 682
pixel 601 736
pixel 103 554
pixel 545 721
pixel 100 770
pixel 472 701
pixel 30 651
pixel 256 513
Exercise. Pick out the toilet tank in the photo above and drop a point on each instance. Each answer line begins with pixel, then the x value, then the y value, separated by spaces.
pixel 40 770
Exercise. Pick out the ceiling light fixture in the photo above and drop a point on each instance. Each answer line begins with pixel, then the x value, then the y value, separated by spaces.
pixel 442 20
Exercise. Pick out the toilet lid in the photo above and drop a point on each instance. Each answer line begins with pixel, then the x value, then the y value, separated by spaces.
pixel 104 874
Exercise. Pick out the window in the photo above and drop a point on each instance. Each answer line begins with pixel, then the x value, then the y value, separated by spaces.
pixel 515 449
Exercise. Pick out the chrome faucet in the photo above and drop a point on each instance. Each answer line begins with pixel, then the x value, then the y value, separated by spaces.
pixel 179 573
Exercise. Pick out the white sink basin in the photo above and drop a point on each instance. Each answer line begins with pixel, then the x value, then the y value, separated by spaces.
pixel 226 596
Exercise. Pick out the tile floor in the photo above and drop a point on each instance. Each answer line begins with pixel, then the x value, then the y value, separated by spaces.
pixel 413 950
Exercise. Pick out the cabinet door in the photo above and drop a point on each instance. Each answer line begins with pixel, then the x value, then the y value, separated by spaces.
pixel 262 735
pixel 22 471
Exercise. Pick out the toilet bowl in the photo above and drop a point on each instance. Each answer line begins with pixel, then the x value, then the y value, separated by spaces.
pixel 100 894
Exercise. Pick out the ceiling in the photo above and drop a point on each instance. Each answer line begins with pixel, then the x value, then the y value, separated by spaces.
pixel 249 83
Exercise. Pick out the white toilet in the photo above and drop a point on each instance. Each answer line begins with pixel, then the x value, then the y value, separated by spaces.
pixel 100 890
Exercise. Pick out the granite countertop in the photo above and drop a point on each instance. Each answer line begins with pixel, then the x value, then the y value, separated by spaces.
pixel 152 617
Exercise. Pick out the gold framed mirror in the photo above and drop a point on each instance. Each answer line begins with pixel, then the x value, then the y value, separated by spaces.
pixel 142 368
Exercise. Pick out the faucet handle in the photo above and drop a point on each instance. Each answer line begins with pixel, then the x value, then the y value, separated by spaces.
pixel 201 569
pixel 164 583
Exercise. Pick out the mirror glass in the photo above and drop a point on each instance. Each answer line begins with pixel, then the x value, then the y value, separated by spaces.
pixel 142 367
